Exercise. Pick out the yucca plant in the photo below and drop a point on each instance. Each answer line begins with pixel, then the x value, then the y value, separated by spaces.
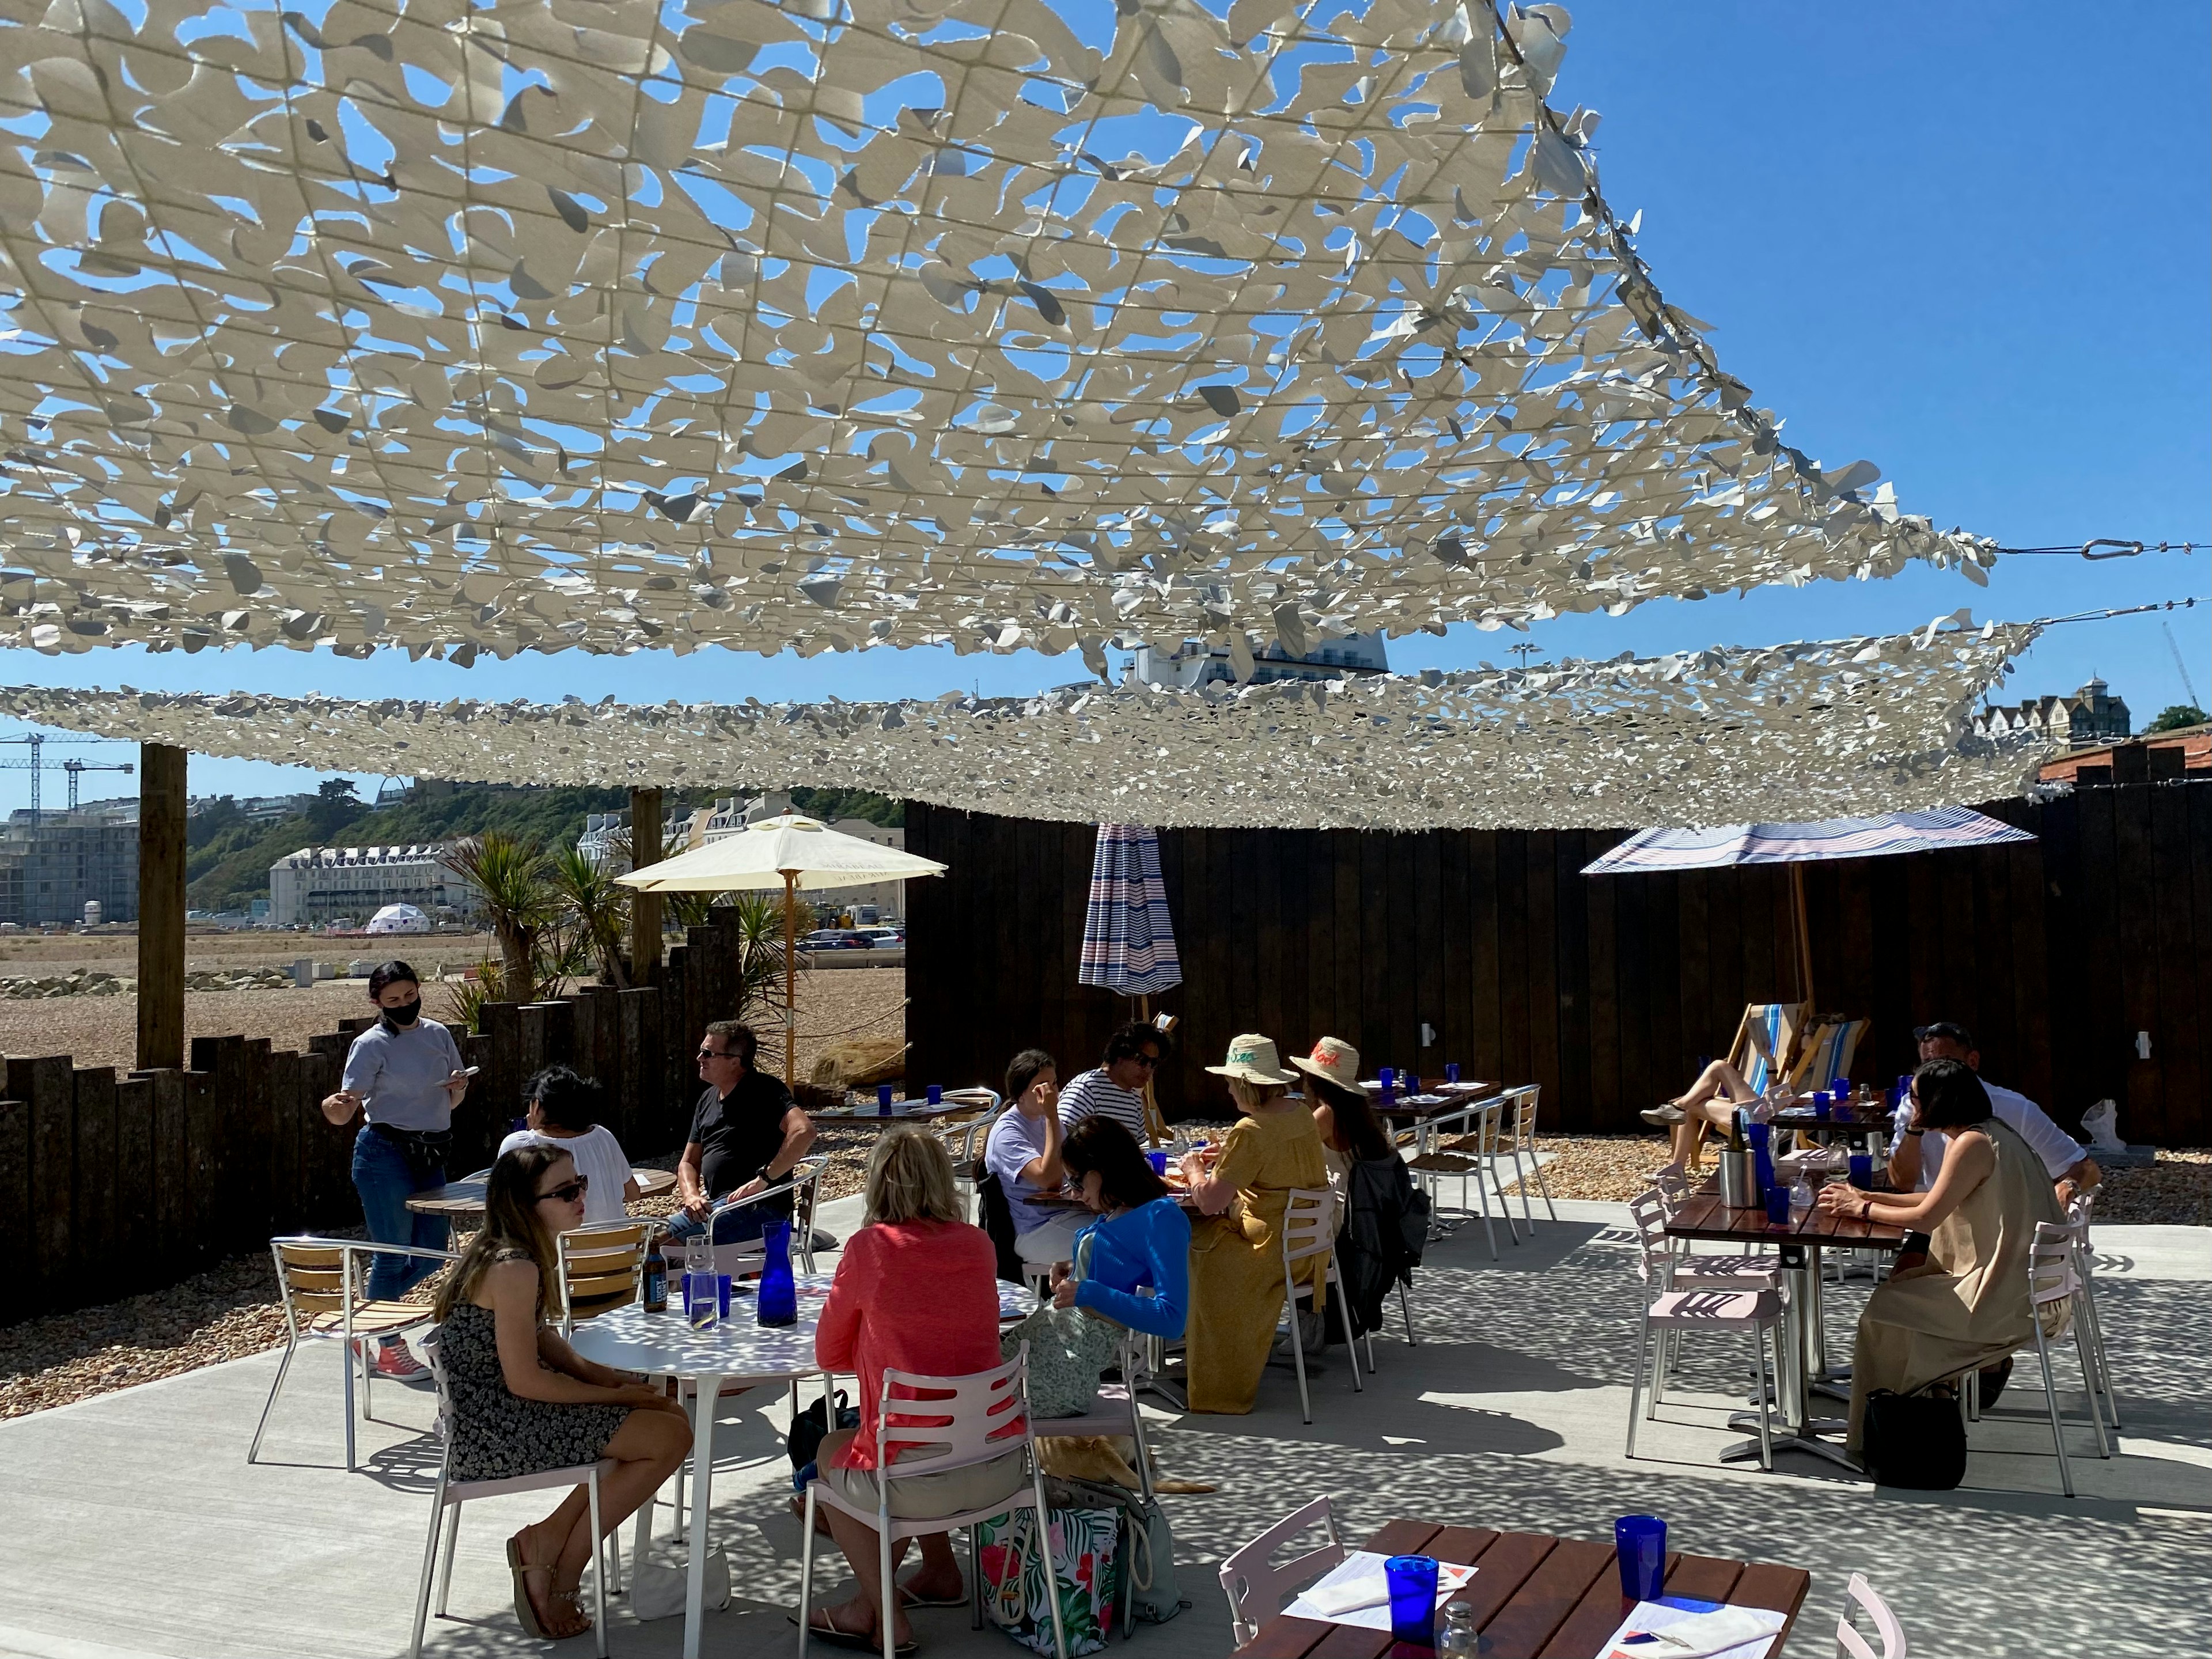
pixel 464 1002
pixel 509 879
pixel 598 912
pixel 760 952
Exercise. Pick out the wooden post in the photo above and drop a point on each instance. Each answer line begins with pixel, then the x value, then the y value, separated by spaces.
pixel 1803 938
pixel 644 908
pixel 161 906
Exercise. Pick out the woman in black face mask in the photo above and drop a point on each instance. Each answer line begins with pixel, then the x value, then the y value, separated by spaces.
pixel 404 1075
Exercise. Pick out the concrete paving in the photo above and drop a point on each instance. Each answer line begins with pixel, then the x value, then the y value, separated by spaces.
pixel 133 1525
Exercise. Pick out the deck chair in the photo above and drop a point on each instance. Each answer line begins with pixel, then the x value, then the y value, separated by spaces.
pixel 1826 1054
pixel 1766 1041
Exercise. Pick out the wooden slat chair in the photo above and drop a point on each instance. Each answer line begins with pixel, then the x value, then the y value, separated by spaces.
pixel 1826 1053
pixel 602 1268
pixel 321 1281
pixel 1766 1040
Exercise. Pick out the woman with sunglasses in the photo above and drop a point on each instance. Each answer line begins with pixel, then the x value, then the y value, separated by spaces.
pixel 523 1401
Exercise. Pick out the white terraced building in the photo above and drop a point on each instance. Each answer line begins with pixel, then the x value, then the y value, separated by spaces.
pixel 320 884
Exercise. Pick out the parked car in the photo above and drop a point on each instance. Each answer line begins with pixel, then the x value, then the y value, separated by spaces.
pixel 834 938
pixel 884 939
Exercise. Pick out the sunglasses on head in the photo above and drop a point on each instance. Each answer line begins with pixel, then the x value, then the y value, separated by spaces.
pixel 568 1191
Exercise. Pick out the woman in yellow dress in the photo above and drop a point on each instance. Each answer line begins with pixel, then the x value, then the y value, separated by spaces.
pixel 1241 1188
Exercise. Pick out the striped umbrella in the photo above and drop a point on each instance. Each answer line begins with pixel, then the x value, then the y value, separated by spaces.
pixel 1128 939
pixel 1720 845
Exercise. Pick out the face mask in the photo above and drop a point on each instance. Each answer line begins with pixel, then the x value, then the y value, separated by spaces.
pixel 406 1013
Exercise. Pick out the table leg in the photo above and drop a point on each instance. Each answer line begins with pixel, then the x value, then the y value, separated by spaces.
pixel 710 1390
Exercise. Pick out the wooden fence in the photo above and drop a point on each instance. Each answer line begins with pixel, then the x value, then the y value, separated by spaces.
pixel 1606 991
pixel 111 1184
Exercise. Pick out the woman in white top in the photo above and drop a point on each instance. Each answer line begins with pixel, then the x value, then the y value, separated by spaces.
pixel 564 1112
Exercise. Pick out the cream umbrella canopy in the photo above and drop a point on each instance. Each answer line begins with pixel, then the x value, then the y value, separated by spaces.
pixel 792 852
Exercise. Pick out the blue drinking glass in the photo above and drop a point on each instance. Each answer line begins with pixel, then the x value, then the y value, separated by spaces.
pixel 1862 1171
pixel 1824 1105
pixel 1387 1077
pixel 1451 1073
pixel 883 1100
pixel 937 1094
pixel 1158 1159
pixel 1777 1205
pixel 1413 1581
pixel 1641 1543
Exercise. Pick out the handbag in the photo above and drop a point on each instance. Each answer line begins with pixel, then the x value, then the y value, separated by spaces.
pixel 1068 1351
pixel 810 1427
pixel 1144 1553
pixel 657 1589
pixel 1081 1570
pixel 1916 1441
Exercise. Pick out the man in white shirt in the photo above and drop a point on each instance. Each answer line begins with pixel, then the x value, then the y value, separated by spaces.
pixel 1917 1154
pixel 1113 1090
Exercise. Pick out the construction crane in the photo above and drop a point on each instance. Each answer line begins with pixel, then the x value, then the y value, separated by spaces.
pixel 37 741
pixel 2187 684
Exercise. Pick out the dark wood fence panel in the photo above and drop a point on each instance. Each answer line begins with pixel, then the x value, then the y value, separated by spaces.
pixel 1605 990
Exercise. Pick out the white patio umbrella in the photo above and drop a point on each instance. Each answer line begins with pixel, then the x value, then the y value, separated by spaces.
pixel 794 853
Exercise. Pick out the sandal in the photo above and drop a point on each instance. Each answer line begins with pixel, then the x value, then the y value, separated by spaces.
pixel 837 1636
pixel 909 1599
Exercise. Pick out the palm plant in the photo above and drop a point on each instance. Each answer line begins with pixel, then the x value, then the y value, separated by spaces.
pixel 509 880
pixel 598 912
pixel 760 952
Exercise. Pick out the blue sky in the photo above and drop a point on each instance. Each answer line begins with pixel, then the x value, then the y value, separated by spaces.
pixel 1968 241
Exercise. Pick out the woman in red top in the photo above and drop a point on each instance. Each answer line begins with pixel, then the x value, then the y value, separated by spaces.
pixel 916 1290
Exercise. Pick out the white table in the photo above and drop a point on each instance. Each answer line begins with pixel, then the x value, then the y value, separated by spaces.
pixel 735 1350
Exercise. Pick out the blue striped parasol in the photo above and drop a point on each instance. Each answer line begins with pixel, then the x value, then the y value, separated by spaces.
pixel 1128 938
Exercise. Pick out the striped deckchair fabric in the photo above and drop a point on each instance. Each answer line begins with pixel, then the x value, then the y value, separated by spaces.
pixel 1765 1042
pixel 1827 1054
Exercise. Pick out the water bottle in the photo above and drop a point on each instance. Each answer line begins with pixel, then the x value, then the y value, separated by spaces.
pixel 1800 1199
pixel 1457 1637
pixel 778 1299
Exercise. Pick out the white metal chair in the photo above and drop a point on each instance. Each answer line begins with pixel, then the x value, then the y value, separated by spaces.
pixel 1257 1588
pixel 1472 1153
pixel 1757 1313
pixel 2078 1214
pixel 602 1267
pixel 971 1410
pixel 1850 1644
pixel 1520 1135
pixel 1662 1266
pixel 321 1279
pixel 1114 1409
pixel 1309 1230
pixel 2050 1281
pixel 451 1494
pixel 802 1184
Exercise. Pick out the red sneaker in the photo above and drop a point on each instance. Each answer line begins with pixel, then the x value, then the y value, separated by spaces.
pixel 393 1360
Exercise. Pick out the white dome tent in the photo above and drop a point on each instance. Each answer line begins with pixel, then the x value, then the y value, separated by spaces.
pixel 399 919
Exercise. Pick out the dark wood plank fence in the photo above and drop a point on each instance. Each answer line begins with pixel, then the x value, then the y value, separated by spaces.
pixel 112 1184
pixel 1606 991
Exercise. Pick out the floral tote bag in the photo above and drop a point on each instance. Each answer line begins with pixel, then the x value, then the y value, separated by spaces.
pixel 1083 1572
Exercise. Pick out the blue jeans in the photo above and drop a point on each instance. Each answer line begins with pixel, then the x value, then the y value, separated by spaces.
pixel 738 1227
pixel 385 1181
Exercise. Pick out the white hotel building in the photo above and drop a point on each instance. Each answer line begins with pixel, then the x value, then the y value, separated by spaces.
pixel 320 884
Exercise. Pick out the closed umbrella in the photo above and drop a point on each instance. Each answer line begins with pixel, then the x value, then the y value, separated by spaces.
pixel 795 853
pixel 1128 938
pixel 1718 846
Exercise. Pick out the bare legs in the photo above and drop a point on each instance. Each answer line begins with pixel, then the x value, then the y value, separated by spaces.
pixel 1713 1098
pixel 646 1450
pixel 937 1579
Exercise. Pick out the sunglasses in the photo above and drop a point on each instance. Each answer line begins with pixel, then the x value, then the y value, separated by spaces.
pixel 568 1191
pixel 1150 1062
pixel 716 1053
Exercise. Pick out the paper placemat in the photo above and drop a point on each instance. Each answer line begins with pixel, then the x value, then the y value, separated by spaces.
pixel 1676 1611
pixel 1362 1571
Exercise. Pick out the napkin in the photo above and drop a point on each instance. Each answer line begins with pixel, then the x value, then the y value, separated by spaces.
pixel 1737 1633
pixel 1330 1600
pixel 1357 1592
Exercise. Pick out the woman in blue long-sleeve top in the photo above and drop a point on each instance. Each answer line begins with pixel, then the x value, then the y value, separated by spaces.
pixel 1140 1243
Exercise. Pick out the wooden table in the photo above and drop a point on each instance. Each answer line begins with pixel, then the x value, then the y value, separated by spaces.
pixel 1703 1216
pixel 910 1111
pixel 465 1197
pixel 1535 1596
pixel 1845 1119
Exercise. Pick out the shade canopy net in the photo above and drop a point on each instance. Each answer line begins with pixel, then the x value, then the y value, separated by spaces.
pixel 616 324
pixel 1843 728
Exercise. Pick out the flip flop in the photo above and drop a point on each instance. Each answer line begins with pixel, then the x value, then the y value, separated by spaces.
pixel 836 1638
pixel 524 1614
pixel 911 1600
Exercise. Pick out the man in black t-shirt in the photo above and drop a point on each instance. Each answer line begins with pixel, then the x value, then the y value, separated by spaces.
pixel 746 1135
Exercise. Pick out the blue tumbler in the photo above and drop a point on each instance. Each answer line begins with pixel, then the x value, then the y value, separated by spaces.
pixel 1641 1542
pixel 1413 1581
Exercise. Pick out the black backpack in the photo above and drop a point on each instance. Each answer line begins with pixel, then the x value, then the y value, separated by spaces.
pixel 999 1223
pixel 1916 1441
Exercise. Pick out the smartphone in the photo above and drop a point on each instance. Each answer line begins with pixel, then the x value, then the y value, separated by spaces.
pixel 471 1071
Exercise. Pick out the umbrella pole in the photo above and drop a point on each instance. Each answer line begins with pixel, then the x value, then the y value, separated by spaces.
pixel 1155 1125
pixel 1804 935
pixel 790 977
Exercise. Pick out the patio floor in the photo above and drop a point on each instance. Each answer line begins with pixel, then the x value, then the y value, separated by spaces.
pixel 133 1525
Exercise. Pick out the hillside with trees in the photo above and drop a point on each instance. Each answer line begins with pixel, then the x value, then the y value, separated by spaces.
pixel 227 856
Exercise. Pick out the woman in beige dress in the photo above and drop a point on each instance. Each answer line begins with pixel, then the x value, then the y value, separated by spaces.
pixel 1242 1189
pixel 1968 1306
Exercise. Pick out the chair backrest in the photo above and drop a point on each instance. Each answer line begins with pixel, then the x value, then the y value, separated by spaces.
pixel 1309 1223
pixel 1648 1211
pixel 1671 1182
pixel 602 1268
pixel 1850 1644
pixel 1764 1041
pixel 434 1356
pixel 955 1425
pixel 1257 1588
pixel 1521 1122
pixel 314 1276
pixel 1827 1053
pixel 2050 1275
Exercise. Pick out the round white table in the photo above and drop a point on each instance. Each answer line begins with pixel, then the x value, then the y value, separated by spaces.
pixel 736 1350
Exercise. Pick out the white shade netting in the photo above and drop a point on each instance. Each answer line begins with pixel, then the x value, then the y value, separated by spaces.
pixel 614 324
pixel 1849 728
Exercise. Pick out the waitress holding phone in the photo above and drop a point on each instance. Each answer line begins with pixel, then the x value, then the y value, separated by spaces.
pixel 404 1075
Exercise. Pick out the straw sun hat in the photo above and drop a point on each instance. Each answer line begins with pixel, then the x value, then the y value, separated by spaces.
pixel 1333 1061
pixel 1253 1058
